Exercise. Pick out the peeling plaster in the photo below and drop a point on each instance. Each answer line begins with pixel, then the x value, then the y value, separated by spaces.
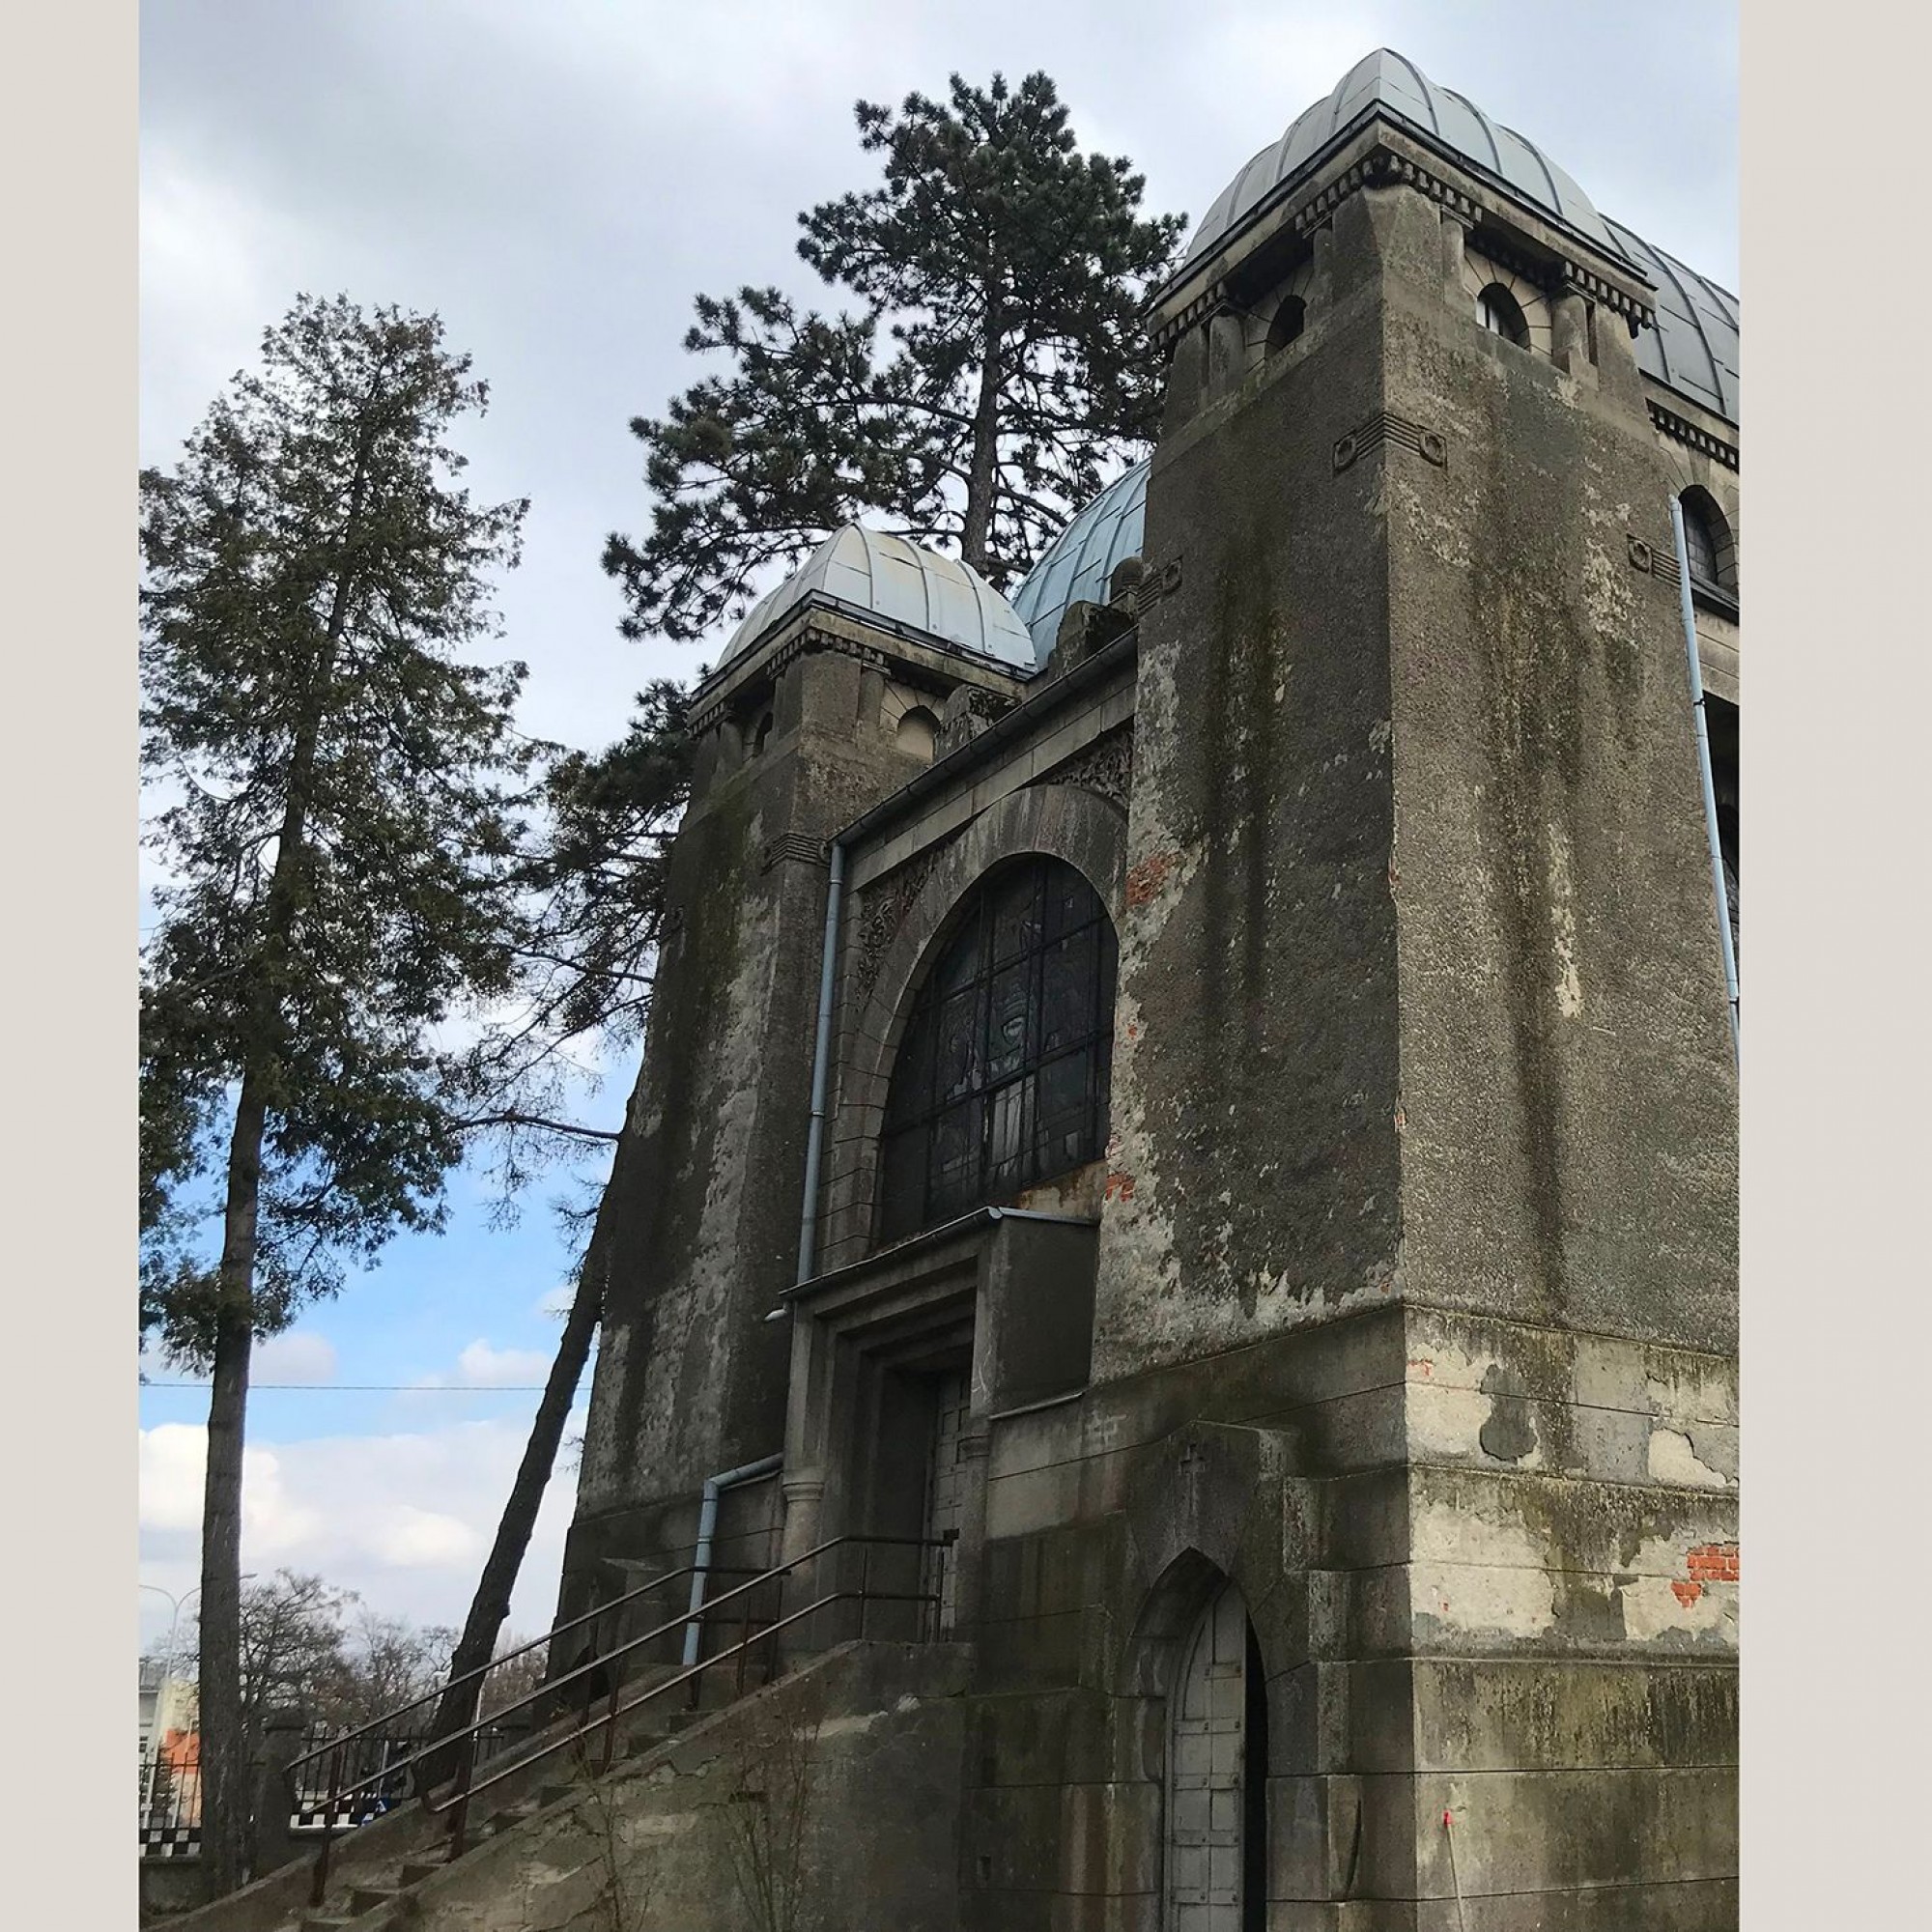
pixel 1674 1459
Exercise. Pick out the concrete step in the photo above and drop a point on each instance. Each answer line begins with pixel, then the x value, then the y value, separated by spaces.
pixel 366 1897
pixel 419 1869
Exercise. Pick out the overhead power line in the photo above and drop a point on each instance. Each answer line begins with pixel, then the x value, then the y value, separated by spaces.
pixel 377 1388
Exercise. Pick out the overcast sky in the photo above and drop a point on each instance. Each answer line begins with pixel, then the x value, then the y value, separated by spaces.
pixel 558 180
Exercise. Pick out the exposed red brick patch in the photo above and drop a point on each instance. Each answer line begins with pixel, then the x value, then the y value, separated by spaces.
pixel 1423 1367
pixel 1147 877
pixel 1120 1187
pixel 1712 1563
pixel 1687 1594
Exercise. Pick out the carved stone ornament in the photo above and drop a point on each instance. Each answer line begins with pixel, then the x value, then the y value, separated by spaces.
pixel 882 906
pixel 1106 766
pixel 1382 428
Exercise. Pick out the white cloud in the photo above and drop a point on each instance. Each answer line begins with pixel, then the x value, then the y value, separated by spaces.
pixel 481 1366
pixel 301 1356
pixel 402 1519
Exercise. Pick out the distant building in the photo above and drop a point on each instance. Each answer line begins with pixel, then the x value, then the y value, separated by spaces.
pixel 170 1791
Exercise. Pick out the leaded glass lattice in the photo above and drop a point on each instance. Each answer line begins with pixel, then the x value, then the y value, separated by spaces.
pixel 1000 1079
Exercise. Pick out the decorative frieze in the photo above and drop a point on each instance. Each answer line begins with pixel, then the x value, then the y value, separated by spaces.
pixel 1384 167
pixel 808 639
pixel 882 906
pixel 1381 428
pixel 1106 766
pixel 796 845
pixel 1647 558
pixel 1680 430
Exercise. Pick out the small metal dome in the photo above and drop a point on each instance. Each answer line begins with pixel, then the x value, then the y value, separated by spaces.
pixel 1081 559
pixel 1399 88
pixel 877 576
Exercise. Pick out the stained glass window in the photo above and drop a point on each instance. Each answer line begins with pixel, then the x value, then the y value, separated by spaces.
pixel 1000 1079
pixel 1701 542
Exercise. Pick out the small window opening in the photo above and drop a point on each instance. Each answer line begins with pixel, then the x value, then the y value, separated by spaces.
pixel 1289 320
pixel 919 732
pixel 1501 314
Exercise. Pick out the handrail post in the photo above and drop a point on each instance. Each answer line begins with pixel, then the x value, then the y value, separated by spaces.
pixel 459 1828
pixel 744 1644
pixel 610 1719
pixel 318 1884
pixel 778 1618
pixel 459 1824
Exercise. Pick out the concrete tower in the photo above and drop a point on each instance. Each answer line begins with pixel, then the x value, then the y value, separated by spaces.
pixel 829 697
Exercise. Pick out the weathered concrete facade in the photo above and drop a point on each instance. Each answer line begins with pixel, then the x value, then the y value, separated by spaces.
pixel 1401 1299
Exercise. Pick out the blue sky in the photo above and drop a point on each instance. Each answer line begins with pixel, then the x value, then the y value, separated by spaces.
pixel 558 182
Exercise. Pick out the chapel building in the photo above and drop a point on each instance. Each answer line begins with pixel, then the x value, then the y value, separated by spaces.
pixel 1203 1096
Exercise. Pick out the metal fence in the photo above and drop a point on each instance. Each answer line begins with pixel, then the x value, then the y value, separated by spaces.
pixel 171 1801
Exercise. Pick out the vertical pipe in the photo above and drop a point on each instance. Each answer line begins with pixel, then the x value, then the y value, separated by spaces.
pixel 1689 614
pixel 821 1053
pixel 707 1524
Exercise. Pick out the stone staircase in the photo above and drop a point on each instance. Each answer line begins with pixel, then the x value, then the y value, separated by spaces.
pixel 363 1887
pixel 870 1735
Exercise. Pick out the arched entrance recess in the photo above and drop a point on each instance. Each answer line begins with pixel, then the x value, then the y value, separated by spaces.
pixel 1216 1861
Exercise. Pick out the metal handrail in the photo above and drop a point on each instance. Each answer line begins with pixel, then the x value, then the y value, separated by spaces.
pixel 739 1649
pixel 441 1690
pixel 466 1735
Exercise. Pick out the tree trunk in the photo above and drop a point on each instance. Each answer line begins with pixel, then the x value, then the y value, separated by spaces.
pixel 224 1760
pixel 226 1793
pixel 490 1608
pixel 976 537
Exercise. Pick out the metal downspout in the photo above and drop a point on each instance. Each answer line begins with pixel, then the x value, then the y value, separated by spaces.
pixel 1689 614
pixel 807 1239
pixel 821 1055
pixel 708 1523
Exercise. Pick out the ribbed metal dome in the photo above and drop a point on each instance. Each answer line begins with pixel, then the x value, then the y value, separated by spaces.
pixel 1399 87
pixel 1083 557
pixel 1694 349
pixel 880 576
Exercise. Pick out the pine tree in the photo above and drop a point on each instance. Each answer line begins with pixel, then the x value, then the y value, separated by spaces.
pixel 996 366
pixel 339 860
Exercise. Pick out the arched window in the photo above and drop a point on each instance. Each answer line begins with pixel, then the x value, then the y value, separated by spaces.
pixel 762 735
pixel 1708 540
pixel 1501 314
pixel 1289 320
pixel 1002 1078
pixel 919 731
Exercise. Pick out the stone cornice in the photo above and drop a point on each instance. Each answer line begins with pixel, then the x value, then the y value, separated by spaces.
pixel 1681 429
pixel 825 630
pixel 1392 158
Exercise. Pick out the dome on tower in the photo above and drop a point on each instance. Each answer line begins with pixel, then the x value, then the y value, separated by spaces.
pixel 939 599
pixel 1386 81
pixel 1694 347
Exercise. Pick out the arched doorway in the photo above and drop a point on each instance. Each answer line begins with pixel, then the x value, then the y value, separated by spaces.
pixel 1216 1864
